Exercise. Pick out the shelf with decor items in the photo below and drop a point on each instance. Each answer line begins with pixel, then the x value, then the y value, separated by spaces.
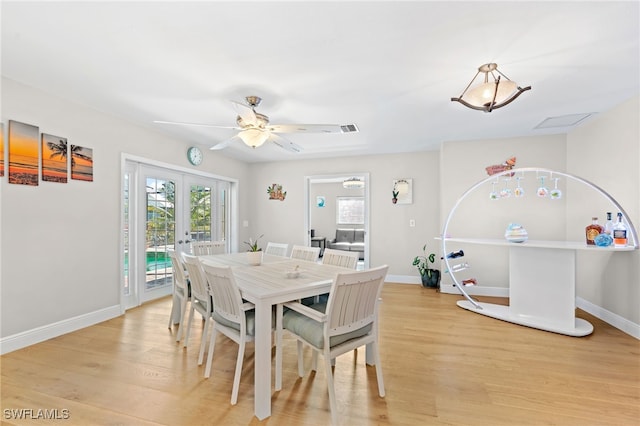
pixel 542 273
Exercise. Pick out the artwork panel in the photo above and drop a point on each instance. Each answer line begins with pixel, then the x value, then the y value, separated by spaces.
pixel 404 187
pixel 54 158
pixel 24 153
pixel 1 149
pixel 81 163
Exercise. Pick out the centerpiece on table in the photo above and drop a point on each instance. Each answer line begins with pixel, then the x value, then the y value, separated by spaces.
pixel 254 254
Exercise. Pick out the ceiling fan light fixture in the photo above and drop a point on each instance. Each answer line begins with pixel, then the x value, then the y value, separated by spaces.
pixel 352 183
pixel 493 93
pixel 254 137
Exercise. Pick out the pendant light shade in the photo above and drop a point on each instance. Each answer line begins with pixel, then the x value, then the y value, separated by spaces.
pixel 491 94
pixel 254 137
pixel 352 183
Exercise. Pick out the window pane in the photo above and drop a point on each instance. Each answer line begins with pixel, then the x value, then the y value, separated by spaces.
pixel 350 210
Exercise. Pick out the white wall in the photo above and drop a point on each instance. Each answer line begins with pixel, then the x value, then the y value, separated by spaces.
pixel 392 241
pixel 606 151
pixel 60 242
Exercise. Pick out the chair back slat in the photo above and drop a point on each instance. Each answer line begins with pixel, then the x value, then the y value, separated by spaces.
pixel 177 265
pixel 353 300
pixel 346 259
pixel 277 249
pixel 225 292
pixel 203 248
pixel 310 254
pixel 197 279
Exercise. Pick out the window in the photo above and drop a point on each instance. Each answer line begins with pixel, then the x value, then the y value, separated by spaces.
pixel 350 210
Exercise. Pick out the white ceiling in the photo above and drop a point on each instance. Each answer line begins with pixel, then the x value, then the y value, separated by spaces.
pixel 389 67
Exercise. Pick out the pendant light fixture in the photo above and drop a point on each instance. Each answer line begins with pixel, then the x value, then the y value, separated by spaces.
pixel 254 137
pixel 491 94
pixel 352 183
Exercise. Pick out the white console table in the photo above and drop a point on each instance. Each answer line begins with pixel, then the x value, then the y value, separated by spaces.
pixel 542 290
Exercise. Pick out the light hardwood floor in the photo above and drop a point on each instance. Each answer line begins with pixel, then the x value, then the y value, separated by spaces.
pixel 442 366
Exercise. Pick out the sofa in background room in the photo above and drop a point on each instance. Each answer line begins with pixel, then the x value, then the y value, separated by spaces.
pixel 348 240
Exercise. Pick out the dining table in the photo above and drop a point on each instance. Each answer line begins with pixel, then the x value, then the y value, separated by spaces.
pixel 275 281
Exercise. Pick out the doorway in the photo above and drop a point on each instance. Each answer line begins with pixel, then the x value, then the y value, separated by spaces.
pixel 330 204
pixel 166 209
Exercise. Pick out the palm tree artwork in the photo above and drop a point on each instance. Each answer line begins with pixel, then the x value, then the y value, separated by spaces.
pixel 54 158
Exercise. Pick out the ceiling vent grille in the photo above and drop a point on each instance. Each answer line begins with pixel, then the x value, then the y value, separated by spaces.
pixel 348 128
pixel 563 120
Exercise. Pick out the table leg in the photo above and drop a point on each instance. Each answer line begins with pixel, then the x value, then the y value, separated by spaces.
pixel 262 377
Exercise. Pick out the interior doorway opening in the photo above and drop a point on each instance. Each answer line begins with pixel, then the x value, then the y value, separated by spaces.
pixel 337 210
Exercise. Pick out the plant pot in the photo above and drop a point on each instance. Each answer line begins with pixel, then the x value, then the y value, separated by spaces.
pixel 254 257
pixel 432 281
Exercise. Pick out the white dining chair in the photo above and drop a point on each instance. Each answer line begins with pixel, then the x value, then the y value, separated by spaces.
pixel 200 300
pixel 347 321
pixel 233 317
pixel 346 259
pixel 181 293
pixel 310 254
pixel 277 249
pixel 203 248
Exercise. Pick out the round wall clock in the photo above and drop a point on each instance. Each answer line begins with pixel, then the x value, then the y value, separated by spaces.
pixel 194 155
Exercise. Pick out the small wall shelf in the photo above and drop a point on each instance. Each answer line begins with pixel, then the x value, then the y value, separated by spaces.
pixel 544 302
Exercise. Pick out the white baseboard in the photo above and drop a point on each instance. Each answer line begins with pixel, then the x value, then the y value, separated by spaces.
pixel 615 320
pixel 609 317
pixel 40 334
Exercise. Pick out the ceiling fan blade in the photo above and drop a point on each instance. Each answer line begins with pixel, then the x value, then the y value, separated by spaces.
pixel 285 143
pixel 179 123
pixel 225 143
pixel 313 128
pixel 245 112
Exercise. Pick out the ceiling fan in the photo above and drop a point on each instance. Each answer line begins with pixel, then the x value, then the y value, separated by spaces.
pixel 255 130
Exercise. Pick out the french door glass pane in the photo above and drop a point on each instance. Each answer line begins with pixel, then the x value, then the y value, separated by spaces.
pixel 200 212
pixel 125 236
pixel 159 231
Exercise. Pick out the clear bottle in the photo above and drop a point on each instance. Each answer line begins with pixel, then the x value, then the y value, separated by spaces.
pixel 619 233
pixel 608 226
pixel 592 231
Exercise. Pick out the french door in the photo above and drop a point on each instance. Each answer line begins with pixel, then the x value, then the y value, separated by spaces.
pixel 163 210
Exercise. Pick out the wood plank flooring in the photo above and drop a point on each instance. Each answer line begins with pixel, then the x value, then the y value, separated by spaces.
pixel 442 365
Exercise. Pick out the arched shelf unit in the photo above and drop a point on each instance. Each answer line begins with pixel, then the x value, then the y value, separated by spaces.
pixel 544 303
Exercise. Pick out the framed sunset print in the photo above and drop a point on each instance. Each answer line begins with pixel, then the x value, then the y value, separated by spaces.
pixel 23 153
pixel 54 158
pixel 81 163
pixel 1 149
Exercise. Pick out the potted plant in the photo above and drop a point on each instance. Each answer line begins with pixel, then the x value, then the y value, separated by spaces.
pixel 395 196
pixel 254 254
pixel 430 276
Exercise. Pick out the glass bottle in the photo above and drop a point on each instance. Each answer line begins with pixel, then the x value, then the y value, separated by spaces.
pixel 608 226
pixel 620 233
pixel 592 231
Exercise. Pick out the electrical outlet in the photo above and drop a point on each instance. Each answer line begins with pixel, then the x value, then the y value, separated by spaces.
pixel 412 223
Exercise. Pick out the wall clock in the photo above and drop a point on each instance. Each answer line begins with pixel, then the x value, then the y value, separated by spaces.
pixel 194 154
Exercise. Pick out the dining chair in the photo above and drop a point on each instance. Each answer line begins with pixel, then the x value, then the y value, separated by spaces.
pixel 346 259
pixel 203 248
pixel 347 321
pixel 233 317
pixel 200 300
pixel 181 292
pixel 310 254
pixel 277 249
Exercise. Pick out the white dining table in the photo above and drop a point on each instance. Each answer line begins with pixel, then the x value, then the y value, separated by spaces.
pixel 267 285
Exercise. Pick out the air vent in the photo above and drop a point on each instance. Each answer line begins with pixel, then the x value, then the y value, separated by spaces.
pixel 348 128
pixel 562 121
